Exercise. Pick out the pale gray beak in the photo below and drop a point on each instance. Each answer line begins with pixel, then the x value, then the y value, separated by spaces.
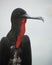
pixel 28 17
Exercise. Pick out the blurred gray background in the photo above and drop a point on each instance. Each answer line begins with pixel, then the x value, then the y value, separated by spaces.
pixel 40 33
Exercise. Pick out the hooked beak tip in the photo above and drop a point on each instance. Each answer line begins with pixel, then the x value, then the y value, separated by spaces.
pixel 37 18
pixel 41 19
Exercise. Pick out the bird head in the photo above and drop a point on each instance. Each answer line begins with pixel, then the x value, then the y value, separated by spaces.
pixel 17 16
pixel 18 13
pixel 20 16
pixel 21 13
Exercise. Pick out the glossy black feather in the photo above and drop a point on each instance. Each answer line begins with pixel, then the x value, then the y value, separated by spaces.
pixel 7 44
pixel 4 51
pixel 24 51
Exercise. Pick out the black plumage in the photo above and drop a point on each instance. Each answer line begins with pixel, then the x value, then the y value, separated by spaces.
pixel 7 44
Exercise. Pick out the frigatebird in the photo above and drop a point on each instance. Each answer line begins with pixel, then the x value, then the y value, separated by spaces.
pixel 15 48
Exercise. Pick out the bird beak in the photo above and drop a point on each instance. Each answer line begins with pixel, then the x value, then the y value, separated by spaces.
pixel 28 17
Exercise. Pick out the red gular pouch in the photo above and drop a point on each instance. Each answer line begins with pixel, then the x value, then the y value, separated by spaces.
pixel 21 34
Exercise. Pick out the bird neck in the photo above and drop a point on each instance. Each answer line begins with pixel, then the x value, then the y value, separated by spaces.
pixel 16 33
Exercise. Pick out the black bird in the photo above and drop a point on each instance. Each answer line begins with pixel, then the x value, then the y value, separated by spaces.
pixel 15 48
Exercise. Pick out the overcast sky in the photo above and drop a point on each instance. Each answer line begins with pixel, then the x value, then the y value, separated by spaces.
pixel 40 33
